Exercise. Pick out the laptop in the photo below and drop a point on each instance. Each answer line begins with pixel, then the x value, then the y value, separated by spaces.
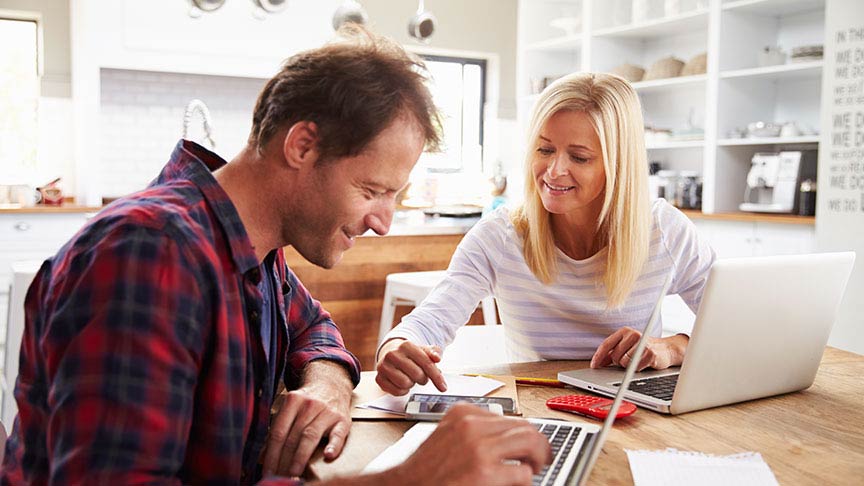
pixel 575 445
pixel 760 331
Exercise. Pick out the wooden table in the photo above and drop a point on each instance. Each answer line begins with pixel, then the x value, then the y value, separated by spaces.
pixel 815 436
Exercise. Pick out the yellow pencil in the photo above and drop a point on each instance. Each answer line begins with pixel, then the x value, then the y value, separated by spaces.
pixel 527 380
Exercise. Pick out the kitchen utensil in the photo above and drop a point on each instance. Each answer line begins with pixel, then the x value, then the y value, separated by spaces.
pixel 271 6
pixel 763 129
pixel 349 11
pixel 198 7
pixel 790 129
pixel 422 25
pixel 771 56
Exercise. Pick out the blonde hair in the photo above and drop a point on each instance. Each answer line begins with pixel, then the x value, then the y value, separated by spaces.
pixel 624 224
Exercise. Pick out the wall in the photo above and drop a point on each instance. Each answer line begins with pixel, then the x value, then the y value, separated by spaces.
pixel 477 25
pixel 840 202
pixel 142 120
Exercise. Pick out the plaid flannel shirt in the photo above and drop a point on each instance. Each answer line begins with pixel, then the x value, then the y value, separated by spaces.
pixel 142 360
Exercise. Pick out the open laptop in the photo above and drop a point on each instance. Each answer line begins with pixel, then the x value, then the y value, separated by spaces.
pixel 760 331
pixel 575 445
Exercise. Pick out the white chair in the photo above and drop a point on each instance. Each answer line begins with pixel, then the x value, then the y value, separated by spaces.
pixel 410 288
pixel 475 346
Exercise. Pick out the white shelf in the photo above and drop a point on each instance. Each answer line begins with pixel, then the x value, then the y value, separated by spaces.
pixel 774 8
pixel 566 43
pixel 663 84
pixel 662 27
pixel 802 70
pixel 730 142
pixel 689 144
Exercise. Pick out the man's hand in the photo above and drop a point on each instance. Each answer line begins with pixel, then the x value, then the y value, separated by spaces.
pixel 319 409
pixel 403 363
pixel 659 353
pixel 472 446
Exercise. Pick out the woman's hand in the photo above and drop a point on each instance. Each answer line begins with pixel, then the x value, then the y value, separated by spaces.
pixel 660 353
pixel 403 363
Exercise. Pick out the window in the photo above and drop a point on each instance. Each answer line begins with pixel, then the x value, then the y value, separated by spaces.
pixel 19 94
pixel 458 88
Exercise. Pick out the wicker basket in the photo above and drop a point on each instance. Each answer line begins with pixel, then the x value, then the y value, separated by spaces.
pixel 668 67
pixel 696 65
pixel 629 72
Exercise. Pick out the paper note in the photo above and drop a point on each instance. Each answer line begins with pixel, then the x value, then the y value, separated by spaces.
pixel 673 467
pixel 403 448
pixel 477 386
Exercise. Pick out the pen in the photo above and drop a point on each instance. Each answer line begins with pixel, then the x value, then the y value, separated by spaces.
pixel 527 380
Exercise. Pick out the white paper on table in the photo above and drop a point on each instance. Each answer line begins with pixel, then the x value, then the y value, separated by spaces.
pixel 672 467
pixel 403 448
pixel 475 386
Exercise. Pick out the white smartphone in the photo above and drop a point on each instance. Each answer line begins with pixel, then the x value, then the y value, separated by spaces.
pixel 434 411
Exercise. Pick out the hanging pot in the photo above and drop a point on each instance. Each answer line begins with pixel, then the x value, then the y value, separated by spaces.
pixel 349 11
pixel 422 25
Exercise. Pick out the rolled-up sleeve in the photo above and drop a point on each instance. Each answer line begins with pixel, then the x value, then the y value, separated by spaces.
pixel 313 335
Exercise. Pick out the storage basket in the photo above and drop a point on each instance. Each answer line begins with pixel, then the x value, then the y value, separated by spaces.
pixel 668 67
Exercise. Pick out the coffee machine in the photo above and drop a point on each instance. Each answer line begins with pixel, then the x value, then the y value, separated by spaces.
pixel 774 178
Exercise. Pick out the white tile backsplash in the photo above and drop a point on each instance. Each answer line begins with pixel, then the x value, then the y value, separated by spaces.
pixel 142 120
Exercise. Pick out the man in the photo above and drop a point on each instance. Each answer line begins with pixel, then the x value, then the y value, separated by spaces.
pixel 156 338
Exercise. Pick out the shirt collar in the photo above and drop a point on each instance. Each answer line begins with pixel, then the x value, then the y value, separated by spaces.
pixel 195 163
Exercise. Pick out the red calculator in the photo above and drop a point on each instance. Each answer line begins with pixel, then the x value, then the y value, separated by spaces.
pixel 596 407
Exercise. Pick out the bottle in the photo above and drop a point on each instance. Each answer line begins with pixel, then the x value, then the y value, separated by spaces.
pixel 807 198
pixel 668 184
pixel 654 181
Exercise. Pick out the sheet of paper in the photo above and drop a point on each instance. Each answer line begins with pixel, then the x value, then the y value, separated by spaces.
pixel 456 385
pixel 673 467
pixel 403 448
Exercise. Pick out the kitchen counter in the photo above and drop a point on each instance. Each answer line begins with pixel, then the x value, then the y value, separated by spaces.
pixel 415 223
pixel 66 208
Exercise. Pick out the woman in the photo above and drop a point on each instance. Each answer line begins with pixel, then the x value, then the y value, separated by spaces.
pixel 580 264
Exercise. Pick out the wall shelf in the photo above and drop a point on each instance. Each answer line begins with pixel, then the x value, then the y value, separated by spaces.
pixel 802 70
pixel 662 27
pixel 774 8
pixel 664 84
pixel 689 144
pixel 730 142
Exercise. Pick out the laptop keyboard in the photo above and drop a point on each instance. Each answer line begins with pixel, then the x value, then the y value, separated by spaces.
pixel 660 387
pixel 561 437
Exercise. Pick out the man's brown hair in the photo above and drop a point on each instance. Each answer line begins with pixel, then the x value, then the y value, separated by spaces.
pixel 351 89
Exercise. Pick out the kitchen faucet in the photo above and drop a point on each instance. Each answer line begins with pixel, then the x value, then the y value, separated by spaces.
pixel 198 106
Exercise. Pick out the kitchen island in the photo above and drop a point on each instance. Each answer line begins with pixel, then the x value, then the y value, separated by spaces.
pixel 353 291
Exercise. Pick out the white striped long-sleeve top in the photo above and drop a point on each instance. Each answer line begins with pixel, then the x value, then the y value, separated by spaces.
pixel 569 318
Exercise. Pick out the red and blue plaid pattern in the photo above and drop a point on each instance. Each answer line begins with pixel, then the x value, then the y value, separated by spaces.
pixel 142 361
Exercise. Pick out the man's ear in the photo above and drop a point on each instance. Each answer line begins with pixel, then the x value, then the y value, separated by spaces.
pixel 300 146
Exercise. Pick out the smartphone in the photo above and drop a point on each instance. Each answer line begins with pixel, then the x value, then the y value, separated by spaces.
pixel 434 411
pixel 507 404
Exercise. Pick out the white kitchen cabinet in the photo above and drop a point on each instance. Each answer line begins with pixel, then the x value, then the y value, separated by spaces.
pixel 562 36
pixel 30 236
pixel 756 238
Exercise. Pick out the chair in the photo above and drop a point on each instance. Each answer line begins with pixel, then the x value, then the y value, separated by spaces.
pixel 410 288
pixel 475 346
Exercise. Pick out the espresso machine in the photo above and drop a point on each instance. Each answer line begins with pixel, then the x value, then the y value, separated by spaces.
pixel 774 179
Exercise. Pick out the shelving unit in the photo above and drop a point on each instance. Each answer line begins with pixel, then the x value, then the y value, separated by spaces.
pixel 735 89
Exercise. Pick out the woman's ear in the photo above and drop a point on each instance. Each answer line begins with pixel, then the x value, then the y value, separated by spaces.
pixel 300 146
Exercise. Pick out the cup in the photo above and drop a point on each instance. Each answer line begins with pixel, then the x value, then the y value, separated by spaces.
pixel 790 129
pixel 24 195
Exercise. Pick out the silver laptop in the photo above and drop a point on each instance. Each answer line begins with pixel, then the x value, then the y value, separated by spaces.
pixel 575 445
pixel 760 331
